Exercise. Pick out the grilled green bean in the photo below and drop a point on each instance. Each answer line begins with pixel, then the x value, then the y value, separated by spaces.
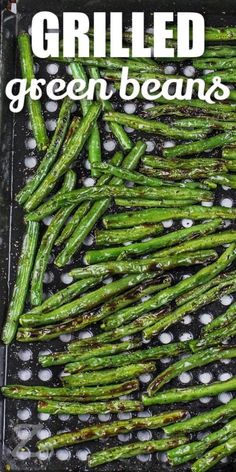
pixel 183 454
pixel 135 266
pixel 70 408
pixel 223 288
pixel 94 141
pixel 105 377
pixel 50 156
pixel 146 203
pixel 20 290
pixel 203 420
pixel 119 133
pixel 74 148
pixel 213 142
pixel 86 302
pixel 107 238
pixel 133 449
pixel 190 394
pixel 215 455
pixel 65 295
pixel 223 179
pixel 81 394
pixel 189 363
pixel 156 127
pixel 126 220
pixel 97 210
pixel 85 207
pixel 99 192
pixel 34 106
pixel 60 358
pixel 167 240
pixel 122 359
pixel 47 243
pixel 111 429
pixel 222 320
pixel 206 242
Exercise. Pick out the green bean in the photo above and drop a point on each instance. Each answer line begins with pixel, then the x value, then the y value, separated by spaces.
pixel 112 63
pixel 202 121
pixel 94 142
pixel 211 34
pixel 65 296
pixel 119 133
pixel 183 454
pixel 223 288
pixel 47 243
pixel 146 203
pixel 84 303
pixel 20 290
pixel 206 242
pixel 181 109
pixel 101 349
pixel 107 238
pixel 141 76
pixel 51 154
pixel 215 63
pixel 157 127
pixel 157 162
pixel 227 76
pixel 134 449
pixel 73 222
pixel 85 207
pixel 74 148
pixel 106 377
pixel 176 175
pixel 217 337
pixel 69 408
pixel 184 365
pixel 153 353
pixel 98 192
pixel 132 176
pixel 74 125
pixel 220 51
pixel 215 455
pixel 97 210
pixel 219 107
pixel 196 212
pixel 136 266
pixel 167 240
pixel 222 320
pixel 186 297
pixel 190 394
pixel 203 420
pixel 34 106
pixel 200 146
pixel 229 152
pixel 111 429
pixel 224 179
pixel 199 172
pixel 232 95
pixel 81 394
pixel 60 358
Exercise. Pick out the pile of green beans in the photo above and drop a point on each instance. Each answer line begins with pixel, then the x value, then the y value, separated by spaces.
pixel 126 212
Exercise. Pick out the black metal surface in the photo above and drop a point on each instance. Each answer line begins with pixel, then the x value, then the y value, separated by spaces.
pixel 21 359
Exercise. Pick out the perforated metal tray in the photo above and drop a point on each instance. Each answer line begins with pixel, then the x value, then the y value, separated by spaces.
pixel 20 423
